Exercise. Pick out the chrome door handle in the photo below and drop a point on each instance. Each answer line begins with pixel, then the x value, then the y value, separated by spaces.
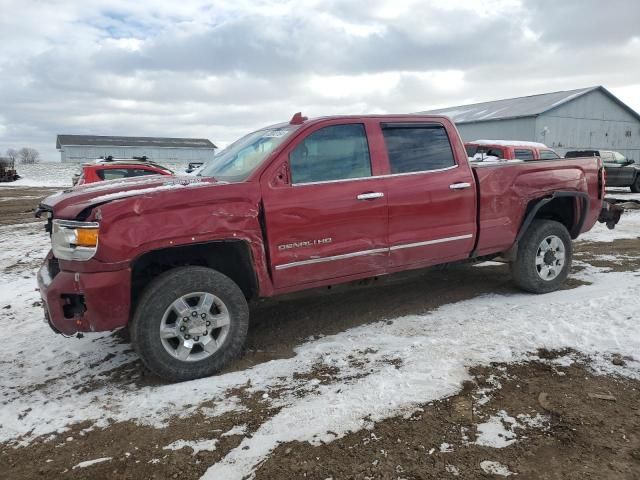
pixel 370 195
pixel 460 186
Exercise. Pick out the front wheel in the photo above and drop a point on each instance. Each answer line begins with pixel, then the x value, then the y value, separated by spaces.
pixel 190 322
pixel 544 257
pixel 635 186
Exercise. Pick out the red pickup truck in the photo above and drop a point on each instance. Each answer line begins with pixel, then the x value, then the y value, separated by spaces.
pixel 294 206
pixel 509 150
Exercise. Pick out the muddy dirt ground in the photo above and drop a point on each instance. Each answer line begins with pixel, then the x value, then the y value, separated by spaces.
pixel 17 203
pixel 561 420
pixel 570 424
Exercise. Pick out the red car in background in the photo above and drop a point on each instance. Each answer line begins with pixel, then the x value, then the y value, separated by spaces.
pixel 482 150
pixel 112 169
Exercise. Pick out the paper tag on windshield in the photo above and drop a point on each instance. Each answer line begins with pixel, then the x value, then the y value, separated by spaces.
pixel 274 133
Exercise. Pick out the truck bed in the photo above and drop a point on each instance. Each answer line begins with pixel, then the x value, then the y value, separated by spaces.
pixel 507 189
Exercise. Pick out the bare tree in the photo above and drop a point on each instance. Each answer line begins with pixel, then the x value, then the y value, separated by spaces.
pixel 12 154
pixel 29 155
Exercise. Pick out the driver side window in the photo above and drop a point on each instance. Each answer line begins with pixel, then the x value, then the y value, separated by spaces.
pixel 331 153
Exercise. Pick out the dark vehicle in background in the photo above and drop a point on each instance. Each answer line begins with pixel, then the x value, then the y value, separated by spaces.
pixel 495 150
pixel 7 170
pixel 621 171
pixel 113 169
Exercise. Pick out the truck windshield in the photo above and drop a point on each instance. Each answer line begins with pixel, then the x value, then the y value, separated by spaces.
pixel 236 162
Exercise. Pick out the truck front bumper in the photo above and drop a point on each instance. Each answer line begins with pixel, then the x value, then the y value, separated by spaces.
pixel 610 214
pixel 84 302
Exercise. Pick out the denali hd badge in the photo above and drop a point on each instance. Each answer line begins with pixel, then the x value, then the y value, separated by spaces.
pixel 305 243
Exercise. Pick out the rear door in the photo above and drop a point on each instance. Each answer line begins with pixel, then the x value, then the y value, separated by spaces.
pixel 431 198
pixel 325 211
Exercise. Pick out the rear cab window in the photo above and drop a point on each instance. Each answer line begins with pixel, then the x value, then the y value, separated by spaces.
pixel 116 173
pixel 548 155
pixel 523 154
pixel 336 152
pixel 606 156
pixel 417 147
pixel 485 152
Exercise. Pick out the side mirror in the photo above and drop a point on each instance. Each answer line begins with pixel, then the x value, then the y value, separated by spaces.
pixel 630 161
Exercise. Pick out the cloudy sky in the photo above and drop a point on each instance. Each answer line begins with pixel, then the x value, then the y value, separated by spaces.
pixel 217 69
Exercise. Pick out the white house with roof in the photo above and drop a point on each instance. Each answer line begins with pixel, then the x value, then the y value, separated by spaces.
pixel 587 118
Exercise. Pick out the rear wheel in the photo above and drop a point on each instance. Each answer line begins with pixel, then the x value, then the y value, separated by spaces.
pixel 544 257
pixel 635 186
pixel 190 322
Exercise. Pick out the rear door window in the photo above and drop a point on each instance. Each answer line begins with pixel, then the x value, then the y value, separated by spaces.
pixel 417 148
pixel 523 154
pixel 337 152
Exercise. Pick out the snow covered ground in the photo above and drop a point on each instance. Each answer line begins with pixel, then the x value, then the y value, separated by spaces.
pixel 56 174
pixel 629 227
pixel 404 362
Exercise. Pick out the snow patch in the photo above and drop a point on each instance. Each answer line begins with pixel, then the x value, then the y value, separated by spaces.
pixel 499 431
pixel 493 432
pixel 237 430
pixel 88 463
pixel 452 469
pixel 208 445
pixel 628 227
pixel 446 448
pixel 495 468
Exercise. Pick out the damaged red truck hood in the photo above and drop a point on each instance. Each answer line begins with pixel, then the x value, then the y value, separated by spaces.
pixel 68 204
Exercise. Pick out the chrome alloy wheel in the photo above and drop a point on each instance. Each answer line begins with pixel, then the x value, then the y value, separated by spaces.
pixel 550 257
pixel 194 326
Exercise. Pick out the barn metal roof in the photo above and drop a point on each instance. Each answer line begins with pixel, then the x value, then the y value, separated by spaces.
pixel 107 141
pixel 519 107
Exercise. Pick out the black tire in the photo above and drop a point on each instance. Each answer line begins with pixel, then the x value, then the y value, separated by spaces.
pixel 158 297
pixel 635 186
pixel 524 270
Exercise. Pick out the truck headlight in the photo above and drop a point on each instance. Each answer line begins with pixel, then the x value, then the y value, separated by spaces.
pixel 71 240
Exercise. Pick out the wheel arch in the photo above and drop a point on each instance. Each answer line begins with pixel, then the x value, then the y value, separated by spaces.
pixel 567 207
pixel 232 258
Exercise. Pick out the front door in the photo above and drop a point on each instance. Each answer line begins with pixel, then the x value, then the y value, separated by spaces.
pixel 328 220
pixel 432 199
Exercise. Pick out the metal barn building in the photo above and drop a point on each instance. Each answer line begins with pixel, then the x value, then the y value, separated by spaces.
pixel 587 118
pixel 87 148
